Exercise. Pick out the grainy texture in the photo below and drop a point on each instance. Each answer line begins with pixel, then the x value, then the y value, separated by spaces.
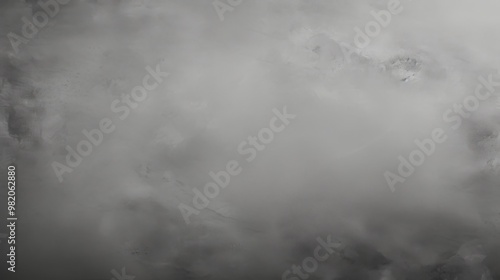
pixel 175 139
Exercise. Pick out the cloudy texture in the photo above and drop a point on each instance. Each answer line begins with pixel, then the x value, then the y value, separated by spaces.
pixel 233 68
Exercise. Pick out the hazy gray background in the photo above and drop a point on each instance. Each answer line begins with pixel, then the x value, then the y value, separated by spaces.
pixel 117 209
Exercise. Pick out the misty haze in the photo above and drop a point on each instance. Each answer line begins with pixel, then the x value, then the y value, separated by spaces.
pixel 244 139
